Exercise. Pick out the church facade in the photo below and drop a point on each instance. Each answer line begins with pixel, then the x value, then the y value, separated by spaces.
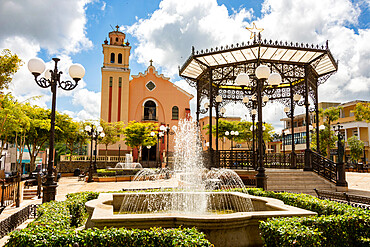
pixel 146 97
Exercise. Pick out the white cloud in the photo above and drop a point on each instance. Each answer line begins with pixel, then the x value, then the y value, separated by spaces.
pixel 167 35
pixel 53 25
pixel 57 27
pixel 90 101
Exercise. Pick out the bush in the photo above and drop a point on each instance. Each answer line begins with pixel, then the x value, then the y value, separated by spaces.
pixel 57 221
pixel 105 173
pixel 337 224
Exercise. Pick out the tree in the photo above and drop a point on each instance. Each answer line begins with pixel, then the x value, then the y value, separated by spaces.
pixel 112 133
pixel 8 118
pixel 356 147
pixel 73 135
pixel 362 112
pixel 244 129
pixel 39 131
pixel 9 65
pixel 327 138
pixel 329 115
pixel 138 134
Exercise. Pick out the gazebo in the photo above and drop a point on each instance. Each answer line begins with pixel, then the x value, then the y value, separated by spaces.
pixel 254 73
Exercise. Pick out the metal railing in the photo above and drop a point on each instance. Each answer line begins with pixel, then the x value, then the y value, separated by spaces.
pixel 324 167
pixel 353 200
pixel 8 193
pixel 243 159
pixel 98 158
pixel 13 221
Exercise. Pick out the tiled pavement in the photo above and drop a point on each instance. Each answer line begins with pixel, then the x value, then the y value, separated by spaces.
pixel 358 184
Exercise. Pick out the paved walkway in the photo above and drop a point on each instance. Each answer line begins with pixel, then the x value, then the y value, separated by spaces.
pixel 358 184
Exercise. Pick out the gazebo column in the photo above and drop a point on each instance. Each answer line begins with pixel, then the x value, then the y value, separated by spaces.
pixel 293 160
pixel 261 176
pixel 198 102
pixel 210 149
pixel 317 119
pixel 307 156
pixel 217 117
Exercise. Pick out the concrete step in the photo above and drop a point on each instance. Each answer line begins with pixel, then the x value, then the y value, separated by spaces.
pixel 29 193
pixel 297 182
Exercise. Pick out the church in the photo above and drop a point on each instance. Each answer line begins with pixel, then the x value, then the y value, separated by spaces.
pixel 146 97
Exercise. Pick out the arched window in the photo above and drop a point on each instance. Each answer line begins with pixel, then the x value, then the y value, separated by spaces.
pixel 119 58
pixel 112 57
pixel 116 39
pixel 150 110
pixel 175 113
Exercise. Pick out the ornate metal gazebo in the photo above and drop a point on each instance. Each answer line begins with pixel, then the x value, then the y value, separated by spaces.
pixel 302 68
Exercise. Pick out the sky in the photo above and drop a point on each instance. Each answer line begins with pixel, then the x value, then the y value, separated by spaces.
pixel 165 31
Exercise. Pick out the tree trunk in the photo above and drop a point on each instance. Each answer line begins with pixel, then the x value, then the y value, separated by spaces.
pixel 106 155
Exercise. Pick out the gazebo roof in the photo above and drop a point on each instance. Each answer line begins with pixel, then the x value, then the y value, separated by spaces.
pixel 319 57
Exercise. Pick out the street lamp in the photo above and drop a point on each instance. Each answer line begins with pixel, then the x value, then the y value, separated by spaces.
pixel 266 83
pixel 232 135
pixel 148 147
pixel 119 152
pixel 159 136
pixel 166 130
pixel 341 171
pixel 52 79
pixel 94 133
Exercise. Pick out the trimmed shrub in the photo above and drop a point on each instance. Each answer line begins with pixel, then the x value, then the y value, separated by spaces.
pixel 337 224
pixel 57 221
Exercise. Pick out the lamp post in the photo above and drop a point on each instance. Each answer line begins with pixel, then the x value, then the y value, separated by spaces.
pixel 159 136
pixel 264 84
pixel 119 153
pixel 232 135
pixel 253 128
pixel 148 147
pixel 94 133
pixel 166 130
pixel 283 134
pixel 52 79
pixel 341 172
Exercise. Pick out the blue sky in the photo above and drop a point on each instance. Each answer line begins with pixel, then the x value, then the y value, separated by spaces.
pixel 165 31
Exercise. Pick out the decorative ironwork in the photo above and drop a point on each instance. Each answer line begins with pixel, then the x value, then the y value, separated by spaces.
pixel 343 197
pixel 324 167
pixel 8 224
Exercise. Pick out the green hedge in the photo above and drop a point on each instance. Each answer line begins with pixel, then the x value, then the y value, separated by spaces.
pixel 337 224
pixel 57 221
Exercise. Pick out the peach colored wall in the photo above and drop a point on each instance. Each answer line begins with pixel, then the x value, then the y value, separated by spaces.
pixel 166 95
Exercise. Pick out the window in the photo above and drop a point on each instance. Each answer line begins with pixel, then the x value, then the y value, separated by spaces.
pixel 120 81
pixel 119 58
pixel 150 86
pixel 150 110
pixel 112 57
pixel 116 39
pixel 175 112
pixel 110 81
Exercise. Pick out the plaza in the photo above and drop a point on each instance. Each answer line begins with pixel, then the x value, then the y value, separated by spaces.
pixel 186 123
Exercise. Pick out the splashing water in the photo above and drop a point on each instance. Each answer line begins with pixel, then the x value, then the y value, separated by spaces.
pixel 193 180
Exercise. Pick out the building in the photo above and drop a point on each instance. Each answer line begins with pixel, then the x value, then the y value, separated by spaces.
pixel 351 127
pixel 146 97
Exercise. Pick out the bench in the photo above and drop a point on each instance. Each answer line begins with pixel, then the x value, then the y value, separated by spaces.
pixel 353 200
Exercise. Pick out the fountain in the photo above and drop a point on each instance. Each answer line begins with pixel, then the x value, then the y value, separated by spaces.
pixel 227 218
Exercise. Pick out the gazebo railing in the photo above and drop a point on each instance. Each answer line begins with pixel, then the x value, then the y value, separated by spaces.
pixel 324 167
pixel 243 159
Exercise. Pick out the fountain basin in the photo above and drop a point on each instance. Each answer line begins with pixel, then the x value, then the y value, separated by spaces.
pixel 239 228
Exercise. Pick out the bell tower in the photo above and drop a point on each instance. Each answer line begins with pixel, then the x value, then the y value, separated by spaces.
pixel 115 78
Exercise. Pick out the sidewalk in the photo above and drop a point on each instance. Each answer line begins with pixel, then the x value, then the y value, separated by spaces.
pixel 358 184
